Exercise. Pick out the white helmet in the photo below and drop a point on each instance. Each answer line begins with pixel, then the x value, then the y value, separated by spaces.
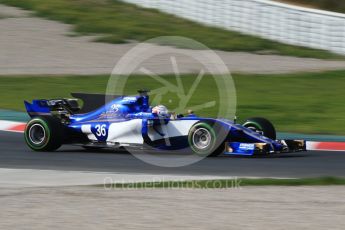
pixel 161 111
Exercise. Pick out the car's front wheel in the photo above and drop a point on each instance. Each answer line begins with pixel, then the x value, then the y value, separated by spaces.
pixel 43 134
pixel 206 139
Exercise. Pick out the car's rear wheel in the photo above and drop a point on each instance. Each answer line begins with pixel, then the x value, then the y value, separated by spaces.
pixel 262 126
pixel 43 134
pixel 206 139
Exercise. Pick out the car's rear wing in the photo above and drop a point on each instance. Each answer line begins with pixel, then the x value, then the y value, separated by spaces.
pixel 44 107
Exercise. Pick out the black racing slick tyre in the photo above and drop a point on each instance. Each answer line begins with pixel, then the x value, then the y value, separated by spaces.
pixel 261 125
pixel 207 139
pixel 43 133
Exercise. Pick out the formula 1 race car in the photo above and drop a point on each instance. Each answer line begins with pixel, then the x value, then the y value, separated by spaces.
pixel 130 121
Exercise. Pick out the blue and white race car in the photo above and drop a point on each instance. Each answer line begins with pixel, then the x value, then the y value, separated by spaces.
pixel 130 121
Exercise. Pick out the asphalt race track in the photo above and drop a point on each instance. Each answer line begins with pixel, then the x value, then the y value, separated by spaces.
pixel 15 154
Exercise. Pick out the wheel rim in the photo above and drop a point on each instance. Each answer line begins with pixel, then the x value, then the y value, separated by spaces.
pixel 202 138
pixel 37 134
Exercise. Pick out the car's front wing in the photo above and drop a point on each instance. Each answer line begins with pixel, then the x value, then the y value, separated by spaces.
pixel 249 149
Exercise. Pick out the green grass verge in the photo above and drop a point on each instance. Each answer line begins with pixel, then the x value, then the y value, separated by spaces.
pixel 120 22
pixel 310 103
pixel 229 183
pixel 307 103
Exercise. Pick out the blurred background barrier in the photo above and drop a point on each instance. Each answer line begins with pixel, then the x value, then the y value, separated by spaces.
pixel 268 19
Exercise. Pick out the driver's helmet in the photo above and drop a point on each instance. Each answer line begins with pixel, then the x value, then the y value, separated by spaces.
pixel 161 111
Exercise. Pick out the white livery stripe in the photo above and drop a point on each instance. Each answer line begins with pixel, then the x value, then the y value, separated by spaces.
pixel 126 132
pixel 174 128
pixel 87 130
